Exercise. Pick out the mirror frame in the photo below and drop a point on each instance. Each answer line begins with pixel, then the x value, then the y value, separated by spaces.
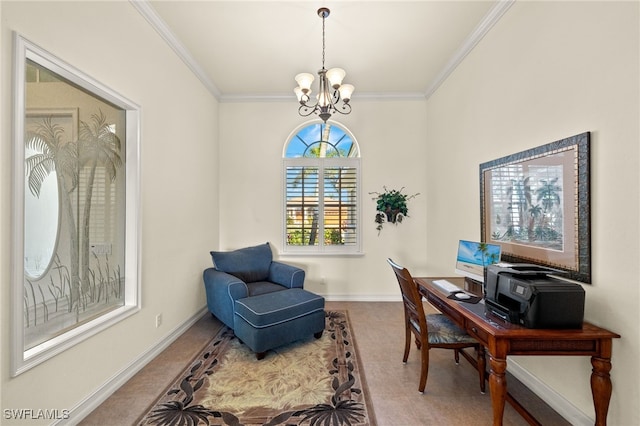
pixel 21 359
pixel 573 155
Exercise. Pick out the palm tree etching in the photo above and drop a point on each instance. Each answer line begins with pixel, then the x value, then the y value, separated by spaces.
pixel 534 213
pixel 534 210
pixel 519 194
pixel 98 146
pixel 549 195
pixel 53 154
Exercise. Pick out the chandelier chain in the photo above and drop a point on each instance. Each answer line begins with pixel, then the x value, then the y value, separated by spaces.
pixel 323 45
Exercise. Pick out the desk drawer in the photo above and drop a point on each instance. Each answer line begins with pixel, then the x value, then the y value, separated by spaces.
pixel 478 333
pixel 442 307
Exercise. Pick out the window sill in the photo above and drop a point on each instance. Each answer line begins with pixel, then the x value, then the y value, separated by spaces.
pixel 321 254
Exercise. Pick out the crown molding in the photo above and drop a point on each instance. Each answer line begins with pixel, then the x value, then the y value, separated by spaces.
pixel 149 13
pixel 489 20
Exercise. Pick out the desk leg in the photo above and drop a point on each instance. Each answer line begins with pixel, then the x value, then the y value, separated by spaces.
pixel 482 367
pixel 601 388
pixel 498 387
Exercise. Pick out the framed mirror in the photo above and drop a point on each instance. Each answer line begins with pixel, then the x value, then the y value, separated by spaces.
pixel 75 218
pixel 536 205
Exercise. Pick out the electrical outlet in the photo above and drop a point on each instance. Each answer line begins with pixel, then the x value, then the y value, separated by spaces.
pixel 158 320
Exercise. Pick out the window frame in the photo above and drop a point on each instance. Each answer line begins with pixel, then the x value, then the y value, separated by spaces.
pixel 24 359
pixel 322 164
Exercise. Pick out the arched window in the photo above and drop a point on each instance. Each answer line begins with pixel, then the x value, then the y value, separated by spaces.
pixel 322 190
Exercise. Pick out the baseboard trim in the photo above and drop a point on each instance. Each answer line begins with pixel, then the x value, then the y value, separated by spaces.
pixel 92 401
pixel 556 401
pixel 361 297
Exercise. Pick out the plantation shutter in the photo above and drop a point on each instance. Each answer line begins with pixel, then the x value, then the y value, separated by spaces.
pixel 302 207
pixel 340 208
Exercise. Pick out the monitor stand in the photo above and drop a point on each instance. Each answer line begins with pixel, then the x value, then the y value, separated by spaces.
pixel 473 286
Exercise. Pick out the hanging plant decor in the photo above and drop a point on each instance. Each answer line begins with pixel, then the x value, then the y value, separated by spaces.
pixel 391 206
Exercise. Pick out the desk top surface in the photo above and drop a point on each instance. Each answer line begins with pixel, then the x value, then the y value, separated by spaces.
pixel 496 326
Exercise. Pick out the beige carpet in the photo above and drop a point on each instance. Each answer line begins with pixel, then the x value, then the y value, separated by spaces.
pixel 313 381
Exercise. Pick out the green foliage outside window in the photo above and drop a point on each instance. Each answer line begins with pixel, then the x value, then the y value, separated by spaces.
pixel 331 237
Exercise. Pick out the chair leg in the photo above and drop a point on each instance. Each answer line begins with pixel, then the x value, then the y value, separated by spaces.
pixel 424 368
pixel 456 354
pixel 407 344
pixel 482 365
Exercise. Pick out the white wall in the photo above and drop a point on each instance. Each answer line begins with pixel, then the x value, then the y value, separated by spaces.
pixel 111 42
pixel 546 71
pixel 391 137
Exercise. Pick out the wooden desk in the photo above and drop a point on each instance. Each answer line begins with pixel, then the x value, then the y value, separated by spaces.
pixel 502 338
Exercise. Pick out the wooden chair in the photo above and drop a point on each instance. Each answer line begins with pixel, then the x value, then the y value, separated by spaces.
pixel 433 330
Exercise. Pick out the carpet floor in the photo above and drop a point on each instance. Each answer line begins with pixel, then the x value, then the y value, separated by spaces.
pixel 451 398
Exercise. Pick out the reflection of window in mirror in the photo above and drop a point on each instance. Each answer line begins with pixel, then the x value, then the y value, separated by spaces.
pixel 79 256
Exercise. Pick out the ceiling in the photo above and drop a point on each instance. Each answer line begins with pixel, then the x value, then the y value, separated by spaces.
pixel 253 49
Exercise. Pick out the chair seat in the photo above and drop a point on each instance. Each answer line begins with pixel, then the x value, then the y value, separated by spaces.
pixel 444 331
pixel 263 287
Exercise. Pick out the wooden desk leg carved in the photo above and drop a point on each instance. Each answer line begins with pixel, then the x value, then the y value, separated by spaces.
pixel 482 367
pixel 498 387
pixel 601 388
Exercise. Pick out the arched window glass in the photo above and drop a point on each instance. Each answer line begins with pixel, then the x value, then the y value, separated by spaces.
pixel 322 190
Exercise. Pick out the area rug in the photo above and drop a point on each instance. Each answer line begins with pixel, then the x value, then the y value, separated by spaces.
pixel 309 382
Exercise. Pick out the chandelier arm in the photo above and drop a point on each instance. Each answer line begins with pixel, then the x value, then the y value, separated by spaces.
pixel 346 108
pixel 306 104
pixel 306 111
pixel 335 97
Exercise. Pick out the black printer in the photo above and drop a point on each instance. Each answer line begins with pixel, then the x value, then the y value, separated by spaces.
pixel 526 294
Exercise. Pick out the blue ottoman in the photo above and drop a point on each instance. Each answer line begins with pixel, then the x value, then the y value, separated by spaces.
pixel 274 319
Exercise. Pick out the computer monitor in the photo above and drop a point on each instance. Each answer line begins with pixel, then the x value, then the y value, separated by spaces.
pixel 473 258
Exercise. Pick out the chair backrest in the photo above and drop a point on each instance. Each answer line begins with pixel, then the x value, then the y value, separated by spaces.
pixel 411 298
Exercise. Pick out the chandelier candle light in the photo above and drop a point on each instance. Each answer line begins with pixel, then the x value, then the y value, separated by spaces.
pixel 333 96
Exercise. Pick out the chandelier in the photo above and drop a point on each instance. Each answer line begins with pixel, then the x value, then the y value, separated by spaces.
pixel 333 96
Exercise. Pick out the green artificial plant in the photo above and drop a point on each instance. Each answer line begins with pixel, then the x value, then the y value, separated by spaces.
pixel 391 206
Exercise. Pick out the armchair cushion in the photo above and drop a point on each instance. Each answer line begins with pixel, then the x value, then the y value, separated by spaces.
pixel 286 275
pixel 278 307
pixel 250 264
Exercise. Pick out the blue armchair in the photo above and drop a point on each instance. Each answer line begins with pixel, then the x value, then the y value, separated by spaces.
pixel 249 271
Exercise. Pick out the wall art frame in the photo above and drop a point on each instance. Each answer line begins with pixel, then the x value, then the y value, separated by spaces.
pixel 536 204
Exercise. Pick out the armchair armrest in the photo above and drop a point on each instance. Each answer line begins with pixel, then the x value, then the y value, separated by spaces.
pixel 286 275
pixel 222 290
